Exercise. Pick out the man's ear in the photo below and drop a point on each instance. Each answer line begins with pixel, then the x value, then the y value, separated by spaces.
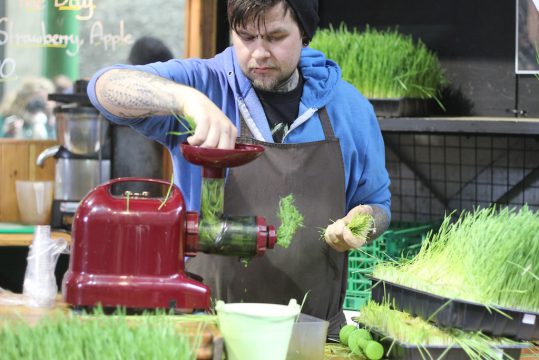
pixel 304 40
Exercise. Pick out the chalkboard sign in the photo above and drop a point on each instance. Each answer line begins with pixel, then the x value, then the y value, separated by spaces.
pixel 77 37
pixel 527 49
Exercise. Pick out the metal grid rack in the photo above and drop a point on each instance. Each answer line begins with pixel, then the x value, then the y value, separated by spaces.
pixel 435 173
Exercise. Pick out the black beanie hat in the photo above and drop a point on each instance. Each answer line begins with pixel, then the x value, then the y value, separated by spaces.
pixel 307 14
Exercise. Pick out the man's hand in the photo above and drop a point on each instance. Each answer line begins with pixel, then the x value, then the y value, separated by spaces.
pixel 339 236
pixel 214 129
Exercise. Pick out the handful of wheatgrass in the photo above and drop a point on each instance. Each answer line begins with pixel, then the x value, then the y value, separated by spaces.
pixel 361 225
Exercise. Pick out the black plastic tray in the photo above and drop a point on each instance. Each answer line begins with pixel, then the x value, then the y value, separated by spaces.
pixel 402 107
pixel 412 352
pixel 462 314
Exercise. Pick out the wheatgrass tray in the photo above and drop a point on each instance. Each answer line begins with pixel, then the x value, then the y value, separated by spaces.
pixel 466 315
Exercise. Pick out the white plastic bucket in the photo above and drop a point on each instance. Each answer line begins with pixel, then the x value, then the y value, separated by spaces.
pixel 256 331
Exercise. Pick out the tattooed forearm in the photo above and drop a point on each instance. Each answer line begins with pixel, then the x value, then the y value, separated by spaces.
pixel 381 222
pixel 136 94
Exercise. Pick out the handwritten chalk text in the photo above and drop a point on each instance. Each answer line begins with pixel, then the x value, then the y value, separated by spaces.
pixel 32 5
pixel 7 68
pixel 77 5
pixel 109 41
pixel 72 43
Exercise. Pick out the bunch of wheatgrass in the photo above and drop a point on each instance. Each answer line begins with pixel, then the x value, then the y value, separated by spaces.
pixel 360 225
pixel 382 64
pixel 212 201
pixel 291 220
pixel 489 256
pixel 405 329
pixel 100 336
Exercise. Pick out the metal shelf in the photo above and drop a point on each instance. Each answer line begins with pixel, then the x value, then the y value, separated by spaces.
pixel 472 125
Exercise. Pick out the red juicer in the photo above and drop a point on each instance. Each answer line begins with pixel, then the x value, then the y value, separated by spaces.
pixel 129 250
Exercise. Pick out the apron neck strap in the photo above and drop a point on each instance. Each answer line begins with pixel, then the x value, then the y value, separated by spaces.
pixel 244 129
pixel 324 120
pixel 326 124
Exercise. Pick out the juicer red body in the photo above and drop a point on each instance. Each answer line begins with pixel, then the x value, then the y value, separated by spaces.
pixel 129 252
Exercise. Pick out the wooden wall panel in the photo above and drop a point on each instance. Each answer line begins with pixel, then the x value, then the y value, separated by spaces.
pixel 167 165
pixel 201 28
pixel 18 162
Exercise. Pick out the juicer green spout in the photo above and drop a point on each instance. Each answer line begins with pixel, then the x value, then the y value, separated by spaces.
pixel 242 236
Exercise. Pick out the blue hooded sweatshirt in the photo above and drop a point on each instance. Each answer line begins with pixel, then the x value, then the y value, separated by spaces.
pixel 221 79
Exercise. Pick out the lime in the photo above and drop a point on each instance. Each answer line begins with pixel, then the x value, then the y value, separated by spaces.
pixel 345 331
pixel 355 339
pixel 373 350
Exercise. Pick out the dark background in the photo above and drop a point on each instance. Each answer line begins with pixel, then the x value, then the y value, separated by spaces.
pixel 475 41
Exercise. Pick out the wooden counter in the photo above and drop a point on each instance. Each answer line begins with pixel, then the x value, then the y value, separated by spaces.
pixel 334 351
pixel 26 239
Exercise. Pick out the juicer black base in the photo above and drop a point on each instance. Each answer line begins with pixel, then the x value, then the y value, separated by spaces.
pixel 63 212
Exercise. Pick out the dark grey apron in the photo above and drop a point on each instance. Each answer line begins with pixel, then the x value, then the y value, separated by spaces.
pixel 314 173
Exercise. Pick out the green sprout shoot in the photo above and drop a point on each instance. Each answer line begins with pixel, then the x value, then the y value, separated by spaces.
pixel 127 193
pixel 187 122
pixel 189 129
pixel 291 220
pixel 361 225
pixel 169 190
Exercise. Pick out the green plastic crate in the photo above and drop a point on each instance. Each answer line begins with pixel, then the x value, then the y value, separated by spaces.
pixel 360 264
pixel 402 239
pixel 354 300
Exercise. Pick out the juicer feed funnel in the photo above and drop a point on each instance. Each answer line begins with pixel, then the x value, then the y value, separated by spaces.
pixel 215 161
pixel 255 330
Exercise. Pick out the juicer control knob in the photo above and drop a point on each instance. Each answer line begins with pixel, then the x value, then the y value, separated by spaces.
pixel 143 194
pixel 272 236
pixel 191 233
pixel 266 236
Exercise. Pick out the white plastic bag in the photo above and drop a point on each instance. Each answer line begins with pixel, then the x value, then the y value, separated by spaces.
pixel 39 286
